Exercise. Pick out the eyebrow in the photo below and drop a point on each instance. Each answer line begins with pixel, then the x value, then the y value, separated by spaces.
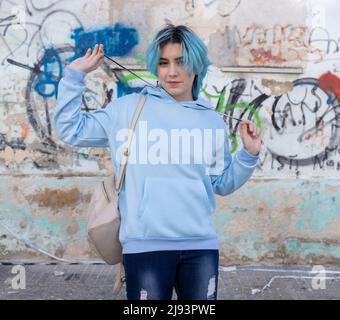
pixel 179 58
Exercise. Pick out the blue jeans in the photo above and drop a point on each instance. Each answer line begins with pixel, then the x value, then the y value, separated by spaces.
pixel 153 275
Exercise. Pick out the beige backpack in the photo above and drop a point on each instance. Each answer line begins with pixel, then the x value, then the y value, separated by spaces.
pixel 103 217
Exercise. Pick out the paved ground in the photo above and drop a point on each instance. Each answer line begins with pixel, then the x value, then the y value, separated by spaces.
pixel 50 281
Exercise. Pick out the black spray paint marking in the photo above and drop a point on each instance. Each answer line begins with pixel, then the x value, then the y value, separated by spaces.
pixel 16 143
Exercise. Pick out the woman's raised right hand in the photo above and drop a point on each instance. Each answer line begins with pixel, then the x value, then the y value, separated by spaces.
pixel 90 61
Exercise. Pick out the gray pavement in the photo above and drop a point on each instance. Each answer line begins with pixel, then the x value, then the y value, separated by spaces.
pixel 56 281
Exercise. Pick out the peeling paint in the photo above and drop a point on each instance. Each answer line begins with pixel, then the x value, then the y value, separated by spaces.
pixel 72 228
pixel 57 198
pixel 25 130
pixel 277 88
pixel 262 56
pixel 10 155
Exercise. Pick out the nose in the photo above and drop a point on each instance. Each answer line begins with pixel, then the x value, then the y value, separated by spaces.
pixel 173 71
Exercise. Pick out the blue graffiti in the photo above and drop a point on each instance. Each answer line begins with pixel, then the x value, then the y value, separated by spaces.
pixel 123 89
pixel 47 81
pixel 118 41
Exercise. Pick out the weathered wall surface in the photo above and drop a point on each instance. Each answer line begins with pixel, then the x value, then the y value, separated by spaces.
pixel 275 62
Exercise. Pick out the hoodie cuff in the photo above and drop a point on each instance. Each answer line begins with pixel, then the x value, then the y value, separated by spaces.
pixel 74 76
pixel 246 158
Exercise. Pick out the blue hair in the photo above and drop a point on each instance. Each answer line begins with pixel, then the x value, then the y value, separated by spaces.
pixel 195 53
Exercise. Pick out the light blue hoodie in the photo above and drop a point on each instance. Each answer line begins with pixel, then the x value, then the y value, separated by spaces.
pixel 163 206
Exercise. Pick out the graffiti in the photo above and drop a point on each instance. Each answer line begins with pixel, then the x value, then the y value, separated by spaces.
pixel 22 41
pixel 303 112
pixel 228 107
pixel 42 87
pixel 310 119
pixel 34 47
pixel 16 143
pixel 224 7
pixel 36 35
pixel 306 115
pixel 118 40
pixel 190 5
pixel 39 8
pixel 47 83
pixel 331 84
pixel 41 91
pixel 282 44
pixel 128 83
pixel 320 38
pixel 233 129
pixel 278 44
pixel 43 80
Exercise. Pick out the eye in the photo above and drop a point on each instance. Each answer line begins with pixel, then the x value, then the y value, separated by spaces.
pixel 161 63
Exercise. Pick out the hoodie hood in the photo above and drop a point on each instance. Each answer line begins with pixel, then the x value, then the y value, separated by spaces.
pixel 162 94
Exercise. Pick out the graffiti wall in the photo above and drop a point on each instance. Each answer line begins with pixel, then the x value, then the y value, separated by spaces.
pixel 279 67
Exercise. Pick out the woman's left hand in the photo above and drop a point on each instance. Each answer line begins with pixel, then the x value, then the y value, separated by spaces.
pixel 251 138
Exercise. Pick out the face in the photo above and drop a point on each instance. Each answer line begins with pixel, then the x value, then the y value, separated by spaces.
pixel 175 78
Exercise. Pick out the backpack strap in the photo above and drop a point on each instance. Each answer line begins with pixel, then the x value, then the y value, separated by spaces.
pixel 126 152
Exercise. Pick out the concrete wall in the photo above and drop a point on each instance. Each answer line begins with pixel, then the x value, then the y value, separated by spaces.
pixel 276 62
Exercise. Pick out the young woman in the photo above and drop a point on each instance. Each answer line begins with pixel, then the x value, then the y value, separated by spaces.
pixel 167 199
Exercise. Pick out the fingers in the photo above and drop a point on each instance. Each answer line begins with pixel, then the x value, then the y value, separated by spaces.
pixel 243 127
pixel 100 55
pixel 98 52
pixel 95 51
pixel 101 51
pixel 88 53
pixel 95 57
pixel 250 128
pixel 258 131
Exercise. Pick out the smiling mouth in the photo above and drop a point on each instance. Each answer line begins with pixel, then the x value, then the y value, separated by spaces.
pixel 173 82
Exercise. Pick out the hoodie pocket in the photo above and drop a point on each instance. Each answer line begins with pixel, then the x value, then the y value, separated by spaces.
pixel 175 208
